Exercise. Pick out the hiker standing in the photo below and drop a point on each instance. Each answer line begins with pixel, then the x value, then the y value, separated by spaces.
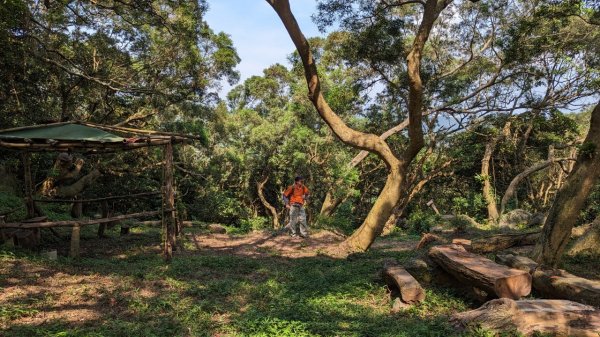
pixel 294 197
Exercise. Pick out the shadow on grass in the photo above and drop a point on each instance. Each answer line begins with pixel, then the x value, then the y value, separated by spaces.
pixel 127 290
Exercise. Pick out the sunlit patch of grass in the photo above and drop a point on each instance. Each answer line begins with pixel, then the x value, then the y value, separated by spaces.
pixel 204 294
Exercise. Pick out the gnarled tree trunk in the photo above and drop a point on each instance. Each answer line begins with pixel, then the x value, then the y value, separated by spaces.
pixel 571 198
pixel 260 187
pixel 373 224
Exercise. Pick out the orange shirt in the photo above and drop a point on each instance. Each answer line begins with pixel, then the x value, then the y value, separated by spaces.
pixel 296 194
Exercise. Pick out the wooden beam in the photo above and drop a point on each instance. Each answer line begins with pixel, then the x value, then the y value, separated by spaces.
pixel 60 145
pixel 68 223
pixel 98 199
pixel 140 131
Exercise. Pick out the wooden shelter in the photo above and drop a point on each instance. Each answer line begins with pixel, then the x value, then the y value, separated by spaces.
pixel 90 138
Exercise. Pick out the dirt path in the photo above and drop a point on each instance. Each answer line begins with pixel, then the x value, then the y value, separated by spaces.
pixel 261 244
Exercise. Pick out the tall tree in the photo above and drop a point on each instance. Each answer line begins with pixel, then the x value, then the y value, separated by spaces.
pixel 397 166
pixel 571 198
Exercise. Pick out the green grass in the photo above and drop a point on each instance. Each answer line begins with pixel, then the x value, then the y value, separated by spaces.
pixel 207 294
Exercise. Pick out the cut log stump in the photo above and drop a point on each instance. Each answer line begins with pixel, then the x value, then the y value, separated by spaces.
pixel 557 283
pixel 555 317
pixel 481 272
pixel 410 290
pixel 517 262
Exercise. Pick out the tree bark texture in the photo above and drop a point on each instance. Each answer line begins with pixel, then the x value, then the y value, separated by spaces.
pixel 571 198
pixel 488 191
pixel 553 317
pixel 260 187
pixel 498 242
pixel 557 283
pixel 589 241
pixel 373 224
pixel 517 262
pixel 481 272
pixel 409 288
pixel 512 187
pixel 168 216
pixel 331 203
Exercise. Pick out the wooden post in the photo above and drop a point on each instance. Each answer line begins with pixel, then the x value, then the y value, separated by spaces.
pixel 77 208
pixel 105 214
pixel 74 252
pixel 28 185
pixel 26 157
pixel 168 216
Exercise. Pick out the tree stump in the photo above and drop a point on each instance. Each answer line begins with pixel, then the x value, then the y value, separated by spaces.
pixel 482 273
pixel 555 317
pixel 557 283
pixel 410 290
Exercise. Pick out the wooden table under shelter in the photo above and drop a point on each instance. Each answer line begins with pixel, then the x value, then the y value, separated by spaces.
pixel 90 138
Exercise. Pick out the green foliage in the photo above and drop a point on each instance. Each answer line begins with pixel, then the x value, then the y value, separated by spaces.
pixel 587 150
pixel 252 224
pixel 419 221
pixel 8 203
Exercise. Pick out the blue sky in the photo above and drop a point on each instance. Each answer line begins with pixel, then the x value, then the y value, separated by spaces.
pixel 257 32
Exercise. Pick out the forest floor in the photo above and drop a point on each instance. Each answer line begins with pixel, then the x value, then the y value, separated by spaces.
pixel 257 284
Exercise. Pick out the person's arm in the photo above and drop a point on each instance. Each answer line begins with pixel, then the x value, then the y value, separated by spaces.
pixel 285 197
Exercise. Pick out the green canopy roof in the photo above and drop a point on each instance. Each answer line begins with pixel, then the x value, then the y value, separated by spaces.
pixel 69 132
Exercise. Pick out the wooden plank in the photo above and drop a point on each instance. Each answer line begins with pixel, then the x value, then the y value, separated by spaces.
pixel 553 317
pixel 557 283
pixel 481 272
pixel 410 289
pixel 68 223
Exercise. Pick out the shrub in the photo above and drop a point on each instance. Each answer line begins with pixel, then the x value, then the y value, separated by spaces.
pixel 419 221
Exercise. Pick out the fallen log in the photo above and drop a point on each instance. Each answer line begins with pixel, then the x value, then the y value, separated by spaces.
pixel 498 242
pixel 517 262
pixel 554 317
pixel 427 272
pixel 481 272
pixel 410 290
pixel 557 283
